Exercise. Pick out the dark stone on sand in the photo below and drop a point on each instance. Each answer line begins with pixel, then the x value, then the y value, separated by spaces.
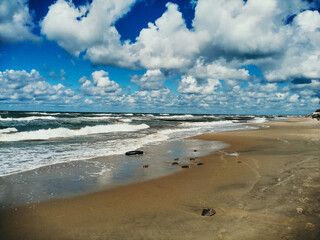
pixel 208 212
pixel 176 159
pixel 174 163
pixel 137 152
pixel 145 166
pixel 185 166
pixel 192 159
pixel 316 114
pixel 239 162
pixel 195 150
pixel 200 163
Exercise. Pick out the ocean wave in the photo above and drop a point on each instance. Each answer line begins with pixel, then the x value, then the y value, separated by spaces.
pixel 28 118
pixel 44 134
pixel 258 120
pixel 8 130
pixel 178 117
pixel 93 118
pixel 43 113
pixel 127 120
pixel 102 114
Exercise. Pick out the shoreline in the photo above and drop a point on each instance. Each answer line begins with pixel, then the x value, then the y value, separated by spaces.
pixel 76 178
pixel 256 193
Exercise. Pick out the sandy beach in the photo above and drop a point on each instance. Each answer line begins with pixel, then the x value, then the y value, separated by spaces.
pixel 264 185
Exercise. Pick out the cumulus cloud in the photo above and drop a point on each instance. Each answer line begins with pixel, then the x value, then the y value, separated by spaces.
pixel 151 80
pixel 62 76
pixel 221 29
pixel 99 85
pixel 236 28
pixel 218 70
pixel 302 58
pixel 79 28
pixel 280 37
pixel 189 84
pixel 166 44
pixel 15 21
pixel 24 86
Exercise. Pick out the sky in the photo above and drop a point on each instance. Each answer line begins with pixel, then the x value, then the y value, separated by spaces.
pixel 158 56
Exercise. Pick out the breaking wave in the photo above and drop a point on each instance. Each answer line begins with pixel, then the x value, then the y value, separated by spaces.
pixel 44 134
pixel 28 118
pixel 8 130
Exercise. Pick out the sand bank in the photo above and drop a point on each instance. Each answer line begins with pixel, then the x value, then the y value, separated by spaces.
pixel 264 185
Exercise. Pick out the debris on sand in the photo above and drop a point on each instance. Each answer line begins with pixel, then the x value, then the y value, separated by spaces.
pixel 208 212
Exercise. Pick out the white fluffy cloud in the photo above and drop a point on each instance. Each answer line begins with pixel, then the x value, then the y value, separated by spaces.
pixel 15 21
pixel 252 32
pixel 79 28
pixel 23 86
pixel 225 37
pixel 189 84
pixel 99 85
pixel 236 28
pixel 151 80
pixel 302 58
pixel 167 43
pixel 218 70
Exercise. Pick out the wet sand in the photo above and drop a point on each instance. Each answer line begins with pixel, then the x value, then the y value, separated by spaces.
pixel 265 185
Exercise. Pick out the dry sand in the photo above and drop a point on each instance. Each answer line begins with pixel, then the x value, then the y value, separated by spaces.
pixel 270 190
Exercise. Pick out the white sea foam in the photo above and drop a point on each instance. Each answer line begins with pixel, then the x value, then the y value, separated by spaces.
pixel 45 134
pixel 43 113
pixel 258 120
pixel 127 120
pixel 102 114
pixel 234 154
pixel 28 118
pixel 176 117
pixel 93 118
pixel 206 124
pixel 8 130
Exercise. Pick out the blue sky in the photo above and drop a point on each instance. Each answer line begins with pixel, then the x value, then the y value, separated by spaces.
pixel 204 56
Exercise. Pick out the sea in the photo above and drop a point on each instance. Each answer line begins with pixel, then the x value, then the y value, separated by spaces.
pixel 30 140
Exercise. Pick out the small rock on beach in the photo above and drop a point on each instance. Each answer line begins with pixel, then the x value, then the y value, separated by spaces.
pixel 208 212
